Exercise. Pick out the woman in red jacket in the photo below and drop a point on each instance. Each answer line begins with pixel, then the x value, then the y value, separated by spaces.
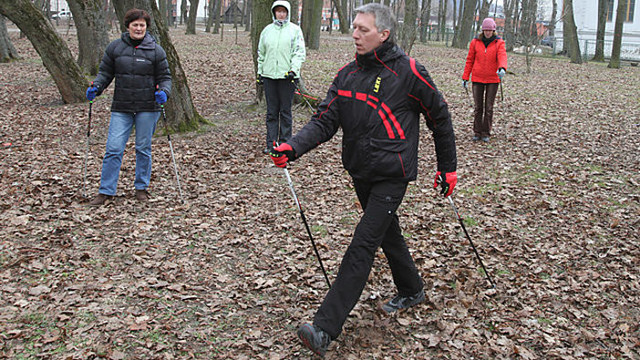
pixel 487 61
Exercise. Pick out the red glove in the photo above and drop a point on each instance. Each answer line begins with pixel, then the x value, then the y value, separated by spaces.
pixel 447 180
pixel 282 154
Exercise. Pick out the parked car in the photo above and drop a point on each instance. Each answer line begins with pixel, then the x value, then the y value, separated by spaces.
pixel 62 15
pixel 548 41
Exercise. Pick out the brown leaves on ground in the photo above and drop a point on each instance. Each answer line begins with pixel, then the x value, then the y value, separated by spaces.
pixel 552 203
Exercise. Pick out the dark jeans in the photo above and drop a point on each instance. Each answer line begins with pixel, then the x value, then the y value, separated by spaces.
pixel 279 96
pixel 378 226
pixel 484 95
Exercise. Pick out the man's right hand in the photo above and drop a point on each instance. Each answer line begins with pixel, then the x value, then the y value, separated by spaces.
pixel 92 91
pixel 282 154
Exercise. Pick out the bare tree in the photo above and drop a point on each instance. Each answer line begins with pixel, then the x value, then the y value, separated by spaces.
pixel 210 15
pixel 408 36
pixel 466 23
pixel 510 19
pixel 217 17
pixel 603 6
pixel 425 15
pixel 342 16
pixel 53 51
pixel 191 20
pixel 571 32
pixel 90 19
pixel 261 17
pixel 484 9
pixel 7 51
pixel 621 14
pixel 311 23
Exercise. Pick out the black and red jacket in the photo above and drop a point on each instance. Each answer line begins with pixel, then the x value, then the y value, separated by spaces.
pixel 377 101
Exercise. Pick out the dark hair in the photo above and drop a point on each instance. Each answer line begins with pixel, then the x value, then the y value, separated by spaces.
pixel 136 14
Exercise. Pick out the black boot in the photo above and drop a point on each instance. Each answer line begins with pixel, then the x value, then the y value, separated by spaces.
pixel 314 338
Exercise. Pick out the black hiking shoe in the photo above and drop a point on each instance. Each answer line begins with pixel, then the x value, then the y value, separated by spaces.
pixel 485 139
pixel 403 302
pixel 314 339
pixel 476 138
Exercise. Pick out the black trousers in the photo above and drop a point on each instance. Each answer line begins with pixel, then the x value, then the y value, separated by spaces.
pixel 378 227
pixel 279 96
pixel 484 96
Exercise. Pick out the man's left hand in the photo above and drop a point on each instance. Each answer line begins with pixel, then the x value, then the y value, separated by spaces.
pixel 447 181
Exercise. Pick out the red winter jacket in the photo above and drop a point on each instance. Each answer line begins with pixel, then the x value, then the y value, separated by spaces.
pixel 483 62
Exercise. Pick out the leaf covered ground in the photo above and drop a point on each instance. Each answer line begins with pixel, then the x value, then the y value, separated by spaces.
pixel 552 203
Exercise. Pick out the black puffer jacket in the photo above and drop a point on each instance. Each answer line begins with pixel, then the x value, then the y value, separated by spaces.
pixel 137 69
pixel 377 100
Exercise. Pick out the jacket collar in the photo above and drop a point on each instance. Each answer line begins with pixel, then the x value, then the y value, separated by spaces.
pixel 148 42
pixel 379 56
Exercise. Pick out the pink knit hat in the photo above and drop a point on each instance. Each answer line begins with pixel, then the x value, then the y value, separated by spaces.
pixel 488 24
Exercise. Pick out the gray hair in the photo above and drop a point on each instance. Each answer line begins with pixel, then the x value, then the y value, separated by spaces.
pixel 385 20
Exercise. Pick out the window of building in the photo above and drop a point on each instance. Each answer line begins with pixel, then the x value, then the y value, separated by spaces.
pixel 631 6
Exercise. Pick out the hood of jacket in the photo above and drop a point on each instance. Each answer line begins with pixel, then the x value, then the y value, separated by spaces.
pixel 284 4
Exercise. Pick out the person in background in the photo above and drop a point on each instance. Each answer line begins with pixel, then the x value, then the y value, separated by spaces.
pixel 143 83
pixel 376 100
pixel 281 53
pixel 486 64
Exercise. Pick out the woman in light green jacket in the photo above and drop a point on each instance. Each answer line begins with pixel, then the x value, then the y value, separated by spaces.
pixel 281 53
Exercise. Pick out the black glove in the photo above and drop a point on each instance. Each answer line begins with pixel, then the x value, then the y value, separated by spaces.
pixel 259 80
pixel 290 76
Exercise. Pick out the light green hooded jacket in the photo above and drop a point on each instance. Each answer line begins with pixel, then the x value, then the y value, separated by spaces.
pixel 281 46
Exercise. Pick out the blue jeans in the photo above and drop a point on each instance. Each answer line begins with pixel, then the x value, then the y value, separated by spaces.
pixel 119 131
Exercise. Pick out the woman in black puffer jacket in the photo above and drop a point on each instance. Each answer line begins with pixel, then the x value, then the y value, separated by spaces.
pixel 143 83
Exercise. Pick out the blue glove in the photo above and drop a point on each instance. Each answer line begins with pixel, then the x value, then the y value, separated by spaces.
pixel 501 73
pixel 161 97
pixel 464 83
pixel 92 91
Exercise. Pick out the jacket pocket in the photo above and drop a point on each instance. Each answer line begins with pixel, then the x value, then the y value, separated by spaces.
pixel 387 157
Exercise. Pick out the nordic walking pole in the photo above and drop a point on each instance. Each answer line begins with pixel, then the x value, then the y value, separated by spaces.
pixel 455 210
pixel 306 225
pixel 175 167
pixel 302 95
pixel 86 154
pixel 501 93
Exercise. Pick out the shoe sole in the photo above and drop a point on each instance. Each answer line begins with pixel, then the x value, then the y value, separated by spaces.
pixel 305 333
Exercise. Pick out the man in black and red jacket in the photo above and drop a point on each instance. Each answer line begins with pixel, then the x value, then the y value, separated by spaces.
pixel 377 101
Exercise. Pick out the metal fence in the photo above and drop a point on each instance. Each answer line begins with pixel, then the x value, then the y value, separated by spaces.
pixel 628 51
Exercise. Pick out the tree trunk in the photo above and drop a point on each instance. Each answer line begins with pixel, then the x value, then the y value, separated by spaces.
pixel 484 9
pixel 425 15
pixel 311 22
pixel 528 33
pixel 191 20
pixel 509 21
pixel 466 23
pixel 261 17
pixel 614 62
pixel 247 24
pixel 443 21
pixel 210 16
pixel 90 18
pixel 294 16
pixel 409 25
pixel 342 16
pixel 217 19
pixel 181 113
pixel 183 11
pixel 603 5
pixel 53 51
pixel 571 31
pixel 554 16
pixel 7 51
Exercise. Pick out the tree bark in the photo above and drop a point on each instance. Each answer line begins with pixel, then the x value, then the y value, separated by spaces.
pixel 191 20
pixel 294 16
pixel 466 23
pixel 554 16
pixel 571 31
pixel 614 62
pixel 217 17
pixel 7 51
pixel 311 23
pixel 342 16
pixel 409 25
pixel 247 24
pixel 183 12
pixel 425 15
pixel 90 18
pixel 210 15
pixel 510 19
pixel 261 17
pixel 484 9
pixel 603 5
pixel 53 51
pixel 181 113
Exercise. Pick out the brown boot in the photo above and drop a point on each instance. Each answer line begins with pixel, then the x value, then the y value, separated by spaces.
pixel 142 195
pixel 99 200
